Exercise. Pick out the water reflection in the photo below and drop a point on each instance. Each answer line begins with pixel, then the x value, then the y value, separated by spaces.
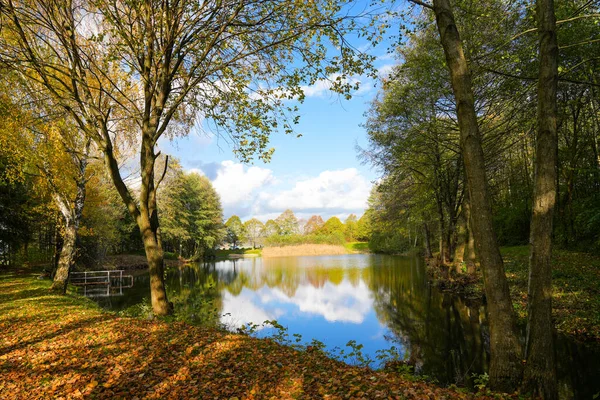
pixel 379 301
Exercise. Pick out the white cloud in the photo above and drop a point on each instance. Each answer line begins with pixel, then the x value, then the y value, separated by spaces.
pixel 323 86
pixel 335 303
pixel 240 310
pixel 250 191
pixel 237 183
pixel 385 70
pixel 343 190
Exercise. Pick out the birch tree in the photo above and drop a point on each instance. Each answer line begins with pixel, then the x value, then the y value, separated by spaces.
pixel 160 65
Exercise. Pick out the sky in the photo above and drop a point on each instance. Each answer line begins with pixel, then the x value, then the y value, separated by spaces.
pixel 317 173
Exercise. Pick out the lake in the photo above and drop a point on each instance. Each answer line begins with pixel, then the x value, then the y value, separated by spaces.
pixel 379 302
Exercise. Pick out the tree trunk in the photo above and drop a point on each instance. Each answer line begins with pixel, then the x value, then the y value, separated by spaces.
pixel 71 213
pixel 463 238
pixel 469 256
pixel 145 215
pixel 428 252
pixel 72 216
pixel 505 364
pixel 66 259
pixel 154 256
pixel 540 369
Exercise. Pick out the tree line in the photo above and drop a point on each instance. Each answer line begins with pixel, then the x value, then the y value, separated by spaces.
pixel 286 229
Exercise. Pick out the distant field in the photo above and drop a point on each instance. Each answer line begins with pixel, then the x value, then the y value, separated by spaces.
pixel 304 250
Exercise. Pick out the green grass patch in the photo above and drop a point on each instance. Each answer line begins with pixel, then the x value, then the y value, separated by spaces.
pixel 357 247
pixel 226 253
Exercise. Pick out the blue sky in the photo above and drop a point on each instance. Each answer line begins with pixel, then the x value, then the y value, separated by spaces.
pixel 318 173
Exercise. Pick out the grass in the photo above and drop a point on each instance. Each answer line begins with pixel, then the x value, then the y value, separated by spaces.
pixel 54 346
pixel 357 247
pixel 576 289
pixel 227 253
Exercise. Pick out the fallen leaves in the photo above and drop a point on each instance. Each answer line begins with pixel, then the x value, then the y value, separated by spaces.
pixel 81 352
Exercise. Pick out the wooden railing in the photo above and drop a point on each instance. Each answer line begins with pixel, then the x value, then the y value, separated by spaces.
pixel 101 283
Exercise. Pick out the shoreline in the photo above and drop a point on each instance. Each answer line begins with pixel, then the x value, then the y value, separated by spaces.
pixel 304 250
pixel 83 351
pixel 576 293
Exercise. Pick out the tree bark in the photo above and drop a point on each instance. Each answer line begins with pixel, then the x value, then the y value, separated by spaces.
pixel 72 216
pixel 428 252
pixel 505 364
pixel 540 369
pixel 146 216
pixel 462 239
pixel 66 259
pixel 469 256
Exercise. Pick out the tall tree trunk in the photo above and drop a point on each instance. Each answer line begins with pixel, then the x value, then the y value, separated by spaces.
pixel 540 369
pixel 149 227
pixel 461 244
pixel 155 258
pixel 505 364
pixel 71 213
pixel 66 259
pixel 428 252
pixel 469 256
pixel 145 215
pixel 72 216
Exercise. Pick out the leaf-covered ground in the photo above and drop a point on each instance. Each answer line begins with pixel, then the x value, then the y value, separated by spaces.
pixel 576 289
pixel 575 283
pixel 55 346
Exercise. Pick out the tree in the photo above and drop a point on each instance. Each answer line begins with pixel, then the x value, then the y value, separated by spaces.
pixel 505 365
pixel 236 233
pixel 271 228
pixel 192 214
pixel 56 150
pixel 155 66
pixel 287 222
pixel 313 224
pixel 332 226
pixel 363 228
pixel 540 369
pixel 254 230
pixel 351 227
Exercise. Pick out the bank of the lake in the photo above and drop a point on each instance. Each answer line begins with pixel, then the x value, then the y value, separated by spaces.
pixel 576 289
pixel 303 250
pixel 66 346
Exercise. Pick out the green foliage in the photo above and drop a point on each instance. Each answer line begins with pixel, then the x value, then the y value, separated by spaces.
pixel 481 381
pixel 254 231
pixel 191 213
pixel 359 247
pixel 287 223
pixel 351 227
pixel 235 232
pixel 336 238
pixel 271 228
pixel 332 226
pixel 575 283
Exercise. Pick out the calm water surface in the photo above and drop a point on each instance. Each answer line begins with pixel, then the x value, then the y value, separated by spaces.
pixel 378 301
